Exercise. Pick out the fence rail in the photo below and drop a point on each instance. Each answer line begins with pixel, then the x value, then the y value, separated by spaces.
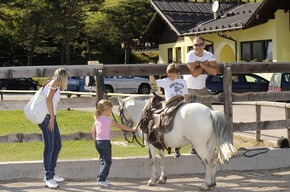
pixel 227 69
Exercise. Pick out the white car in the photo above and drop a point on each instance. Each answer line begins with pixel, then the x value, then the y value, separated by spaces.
pixel 122 84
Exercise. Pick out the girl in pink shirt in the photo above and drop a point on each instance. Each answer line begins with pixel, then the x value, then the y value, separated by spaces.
pixel 101 136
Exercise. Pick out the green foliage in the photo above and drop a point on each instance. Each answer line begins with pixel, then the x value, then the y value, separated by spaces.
pixel 56 32
pixel 46 28
pixel 145 57
pixel 135 17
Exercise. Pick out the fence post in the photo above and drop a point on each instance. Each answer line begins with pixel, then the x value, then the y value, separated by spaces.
pixel 287 114
pixel 99 90
pixel 258 118
pixel 228 97
pixel 98 74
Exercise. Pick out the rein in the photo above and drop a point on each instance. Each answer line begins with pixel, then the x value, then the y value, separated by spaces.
pixel 122 116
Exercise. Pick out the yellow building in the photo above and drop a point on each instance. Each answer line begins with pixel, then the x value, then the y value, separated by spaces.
pixel 240 32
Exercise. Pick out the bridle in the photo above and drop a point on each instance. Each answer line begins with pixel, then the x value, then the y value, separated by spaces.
pixel 123 117
pixel 130 123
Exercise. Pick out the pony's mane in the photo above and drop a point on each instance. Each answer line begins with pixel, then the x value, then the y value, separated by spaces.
pixel 145 98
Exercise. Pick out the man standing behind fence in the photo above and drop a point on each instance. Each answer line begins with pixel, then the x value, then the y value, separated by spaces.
pixel 197 61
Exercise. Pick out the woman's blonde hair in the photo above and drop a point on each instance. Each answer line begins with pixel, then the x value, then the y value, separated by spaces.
pixel 103 105
pixel 62 75
pixel 172 68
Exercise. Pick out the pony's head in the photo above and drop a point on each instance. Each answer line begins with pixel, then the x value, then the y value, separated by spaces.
pixel 125 115
pixel 131 109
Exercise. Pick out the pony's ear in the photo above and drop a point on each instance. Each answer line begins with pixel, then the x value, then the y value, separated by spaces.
pixel 121 101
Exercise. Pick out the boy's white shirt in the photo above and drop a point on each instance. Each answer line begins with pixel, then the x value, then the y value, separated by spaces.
pixel 172 88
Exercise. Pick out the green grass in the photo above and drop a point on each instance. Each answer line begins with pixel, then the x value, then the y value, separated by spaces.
pixel 70 150
pixel 13 122
pixel 69 121
pixel 40 80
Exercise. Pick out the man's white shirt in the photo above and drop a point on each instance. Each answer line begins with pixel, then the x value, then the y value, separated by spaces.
pixel 197 82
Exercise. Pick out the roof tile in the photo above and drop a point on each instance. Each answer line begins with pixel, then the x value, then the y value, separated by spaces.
pixel 189 17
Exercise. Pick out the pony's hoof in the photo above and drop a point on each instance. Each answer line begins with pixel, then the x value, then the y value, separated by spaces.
pixel 161 180
pixel 151 183
pixel 212 185
pixel 205 187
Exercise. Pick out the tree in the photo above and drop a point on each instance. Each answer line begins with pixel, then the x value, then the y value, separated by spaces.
pixel 128 21
pixel 44 27
pixel 35 14
pixel 69 17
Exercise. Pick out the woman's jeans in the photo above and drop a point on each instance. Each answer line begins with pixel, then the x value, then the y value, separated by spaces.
pixel 52 146
pixel 104 149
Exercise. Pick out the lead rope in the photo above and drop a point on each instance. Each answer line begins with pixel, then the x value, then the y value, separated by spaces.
pixel 102 86
pixel 262 150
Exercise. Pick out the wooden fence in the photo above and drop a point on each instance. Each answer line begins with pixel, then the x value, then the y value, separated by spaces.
pixel 144 70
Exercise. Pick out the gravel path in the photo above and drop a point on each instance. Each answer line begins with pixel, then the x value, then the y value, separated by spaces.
pixel 227 181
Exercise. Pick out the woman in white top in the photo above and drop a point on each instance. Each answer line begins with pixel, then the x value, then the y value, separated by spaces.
pixel 49 127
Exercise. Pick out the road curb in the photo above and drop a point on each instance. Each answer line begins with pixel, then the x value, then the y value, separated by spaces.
pixel 139 167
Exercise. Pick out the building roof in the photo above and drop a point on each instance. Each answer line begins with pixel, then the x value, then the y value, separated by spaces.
pixel 231 19
pixel 183 16
pixel 192 18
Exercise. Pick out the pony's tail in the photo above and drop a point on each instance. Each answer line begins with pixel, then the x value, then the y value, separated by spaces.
pixel 223 144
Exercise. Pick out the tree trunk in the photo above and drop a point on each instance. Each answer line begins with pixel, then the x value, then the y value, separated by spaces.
pixel 88 50
pixel 62 61
pixel 67 47
pixel 33 44
pixel 127 53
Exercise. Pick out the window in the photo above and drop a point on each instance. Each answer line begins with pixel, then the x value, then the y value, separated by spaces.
pixel 235 78
pixel 178 54
pixel 287 77
pixel 253 79
pixel 256 50
pixel 209 48
pixel 217 78
pixel 169 55
pixel 276 78
pixel 269 51
pixel 189 48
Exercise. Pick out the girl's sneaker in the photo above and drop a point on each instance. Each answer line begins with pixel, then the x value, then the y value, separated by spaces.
pixel 108 182
pixel 102 183
pixel 51 184
pixel 58 179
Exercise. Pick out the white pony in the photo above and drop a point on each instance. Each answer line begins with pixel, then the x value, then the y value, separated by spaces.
pixel 194 124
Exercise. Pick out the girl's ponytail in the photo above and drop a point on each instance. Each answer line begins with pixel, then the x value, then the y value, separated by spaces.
pixel 103 105
pixel 97 114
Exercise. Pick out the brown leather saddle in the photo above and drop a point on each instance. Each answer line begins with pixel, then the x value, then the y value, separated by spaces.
pixel 157 120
